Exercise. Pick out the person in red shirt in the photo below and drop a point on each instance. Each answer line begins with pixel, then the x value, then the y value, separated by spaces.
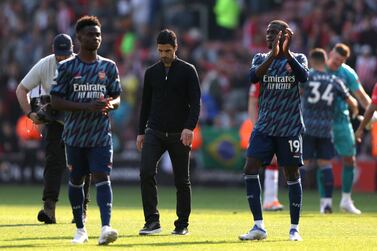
pixel 271 175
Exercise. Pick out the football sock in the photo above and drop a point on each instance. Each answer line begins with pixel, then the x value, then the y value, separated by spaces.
pixel 302 171
pixel 259 223
pixel 320 183
pixel 347 178
pixel 76 198
pixel 253 191
pixel 104 201
pixel 327 178
pixel 295 200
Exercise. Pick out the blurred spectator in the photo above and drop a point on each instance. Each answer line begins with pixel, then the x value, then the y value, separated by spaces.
pixel 130 28
pixel 366 65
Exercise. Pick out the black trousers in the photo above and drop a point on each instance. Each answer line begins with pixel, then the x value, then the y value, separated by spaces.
pixel 155 144
pixel 55 161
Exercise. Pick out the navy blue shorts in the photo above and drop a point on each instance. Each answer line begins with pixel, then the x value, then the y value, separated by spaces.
pixel 288 150
pixel 84 160
pixel 318 148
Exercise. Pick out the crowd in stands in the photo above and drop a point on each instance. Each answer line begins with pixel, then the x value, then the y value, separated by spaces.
pixel 218 36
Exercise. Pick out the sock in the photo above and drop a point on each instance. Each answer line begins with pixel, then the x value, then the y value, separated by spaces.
pixel 104 201
pixel 327 180
pixel 347 178
pixel 270 190
pixel 259 223
pixel 76 197
pixel 346 196
pixel 320 185
pixel 295 200
pixel 253 191
pixel 302 171
pixel 294 226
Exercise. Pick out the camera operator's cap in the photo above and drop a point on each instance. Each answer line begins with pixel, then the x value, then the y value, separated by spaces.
pixel 63 45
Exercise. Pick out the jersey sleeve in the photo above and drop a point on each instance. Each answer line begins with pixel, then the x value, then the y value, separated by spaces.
pixel 61 81
pixel 258 59
pixel 374 95
pixel 301 58
pixel 114 89
pixel 33 77
pixel 341 88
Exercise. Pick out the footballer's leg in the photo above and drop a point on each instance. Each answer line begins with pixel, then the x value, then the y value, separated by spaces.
pixel 344 142
pixel 289 154
pixel 325 177
pixel 87 183
pixel 78 166
pixel 100 162
pixel 261 150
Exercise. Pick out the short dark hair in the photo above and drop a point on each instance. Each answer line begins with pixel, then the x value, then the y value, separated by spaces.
pixel 86 21
pixel 284 25
pixel 167 36
pixel 342 49
pixel 318 55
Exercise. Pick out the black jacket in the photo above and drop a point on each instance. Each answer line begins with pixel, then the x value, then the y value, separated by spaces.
pixel 171 101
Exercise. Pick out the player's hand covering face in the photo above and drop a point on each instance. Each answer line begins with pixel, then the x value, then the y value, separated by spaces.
pixel 167 53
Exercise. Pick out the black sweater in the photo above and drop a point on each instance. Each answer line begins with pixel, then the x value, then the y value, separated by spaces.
pixel 171 101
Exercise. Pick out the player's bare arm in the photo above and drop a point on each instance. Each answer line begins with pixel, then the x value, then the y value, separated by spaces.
pixel 252 109
pixel 23 99
pixel 367 117
pixel 352 103
pixel 362 97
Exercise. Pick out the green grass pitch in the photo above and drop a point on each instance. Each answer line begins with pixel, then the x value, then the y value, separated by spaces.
pixel 218 216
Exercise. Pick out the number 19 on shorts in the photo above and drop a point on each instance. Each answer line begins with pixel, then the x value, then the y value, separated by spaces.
pixel 294 145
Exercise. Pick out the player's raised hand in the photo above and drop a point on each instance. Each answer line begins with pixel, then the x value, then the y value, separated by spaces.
pixel 275 45
pixel 287 38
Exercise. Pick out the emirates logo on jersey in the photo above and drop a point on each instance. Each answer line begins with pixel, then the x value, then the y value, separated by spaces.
pixel 101 75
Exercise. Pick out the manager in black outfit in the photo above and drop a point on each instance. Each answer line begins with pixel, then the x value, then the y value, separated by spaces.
pixel 169 113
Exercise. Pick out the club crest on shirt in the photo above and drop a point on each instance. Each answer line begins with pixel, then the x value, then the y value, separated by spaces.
pixel 101 75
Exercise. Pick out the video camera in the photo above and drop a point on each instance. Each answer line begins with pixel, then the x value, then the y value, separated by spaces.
pixel 42 107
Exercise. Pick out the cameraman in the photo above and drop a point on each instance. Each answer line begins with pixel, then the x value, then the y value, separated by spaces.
pixel 41 78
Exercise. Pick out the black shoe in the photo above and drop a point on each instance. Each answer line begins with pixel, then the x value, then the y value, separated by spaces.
pixel 180 231
pixel 43 217
pixel 150 228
